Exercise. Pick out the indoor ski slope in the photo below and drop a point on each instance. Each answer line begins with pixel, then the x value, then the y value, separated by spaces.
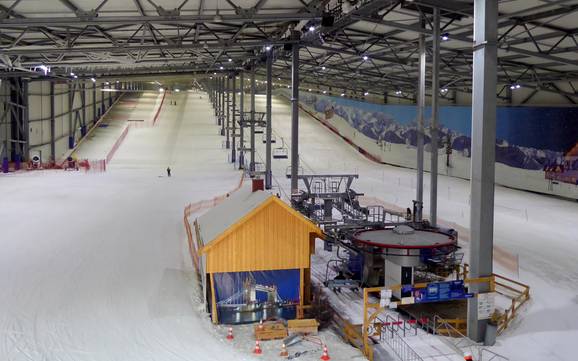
pixel 541 231
pixel 95 266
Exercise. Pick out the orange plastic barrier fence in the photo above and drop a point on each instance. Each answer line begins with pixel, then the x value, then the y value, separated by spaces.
pixel 197 206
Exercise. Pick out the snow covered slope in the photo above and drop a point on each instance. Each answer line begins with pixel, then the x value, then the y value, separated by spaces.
pixel 94 267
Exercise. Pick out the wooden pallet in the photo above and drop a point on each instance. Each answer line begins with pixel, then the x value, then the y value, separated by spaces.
pixel 270 331
pixel 305 326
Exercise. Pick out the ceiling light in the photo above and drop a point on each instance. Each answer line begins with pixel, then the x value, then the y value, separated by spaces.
pixel 71 74
pixel 323 68
pixel 76 77
pixel 325 92
pixel 230 60
pixel 93 80
pixel 342 94
pixel 365 57
pixel 177 90
pixel 218 17
pixel 444 90
pixel 161 90
pixel 221 67
pixel 366 93
pixel 268 47
pixel 312 28
pixel 445 36
pixel 398 92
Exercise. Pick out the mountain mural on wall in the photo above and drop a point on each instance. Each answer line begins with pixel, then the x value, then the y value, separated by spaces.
pixel 543 148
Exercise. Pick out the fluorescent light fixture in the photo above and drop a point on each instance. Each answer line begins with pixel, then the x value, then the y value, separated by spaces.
pixel 45 69
pixel 177 90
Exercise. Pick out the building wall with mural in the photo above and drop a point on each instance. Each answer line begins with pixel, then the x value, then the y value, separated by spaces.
pixel 536 147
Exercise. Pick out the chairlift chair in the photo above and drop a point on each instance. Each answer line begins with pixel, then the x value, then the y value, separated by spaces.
pixel 281 152
pixel 273 139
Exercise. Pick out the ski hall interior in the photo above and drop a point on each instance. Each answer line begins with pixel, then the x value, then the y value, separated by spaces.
pixel 288 179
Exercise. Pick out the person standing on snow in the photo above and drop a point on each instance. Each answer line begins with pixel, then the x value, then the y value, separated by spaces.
pixel 168 171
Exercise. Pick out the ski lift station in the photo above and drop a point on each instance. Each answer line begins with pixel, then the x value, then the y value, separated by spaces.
pixel 209 180
pixel 255 258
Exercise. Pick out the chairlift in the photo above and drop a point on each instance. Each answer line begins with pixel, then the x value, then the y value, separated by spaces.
pixel 281 152
pixel 273 139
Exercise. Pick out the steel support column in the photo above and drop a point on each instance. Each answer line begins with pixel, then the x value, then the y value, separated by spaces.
pixel 102 100
pixel 420 128
pixel 233 121
pixel 227 105
pixel 435 84
pixel 242 121
pixel 94 106
pixel 268 173
pixel 83 105
pixel 52 124
pixel 253 85
pixel 295 115
pixel 483 156
pixel 222 104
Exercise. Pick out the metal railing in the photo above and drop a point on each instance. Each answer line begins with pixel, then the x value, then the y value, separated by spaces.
pixel 401 348
pixel 461 343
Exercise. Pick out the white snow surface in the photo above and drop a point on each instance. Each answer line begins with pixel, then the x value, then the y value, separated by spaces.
pixel 96 266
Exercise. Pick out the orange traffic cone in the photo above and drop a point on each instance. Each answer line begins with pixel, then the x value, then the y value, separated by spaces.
pixel 325 356
pixel 283 352
pixel 257 349
pixel 230 334
pixel 468 357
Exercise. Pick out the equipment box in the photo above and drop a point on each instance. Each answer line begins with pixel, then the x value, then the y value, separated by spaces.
pixel 307 326
pixel 270 331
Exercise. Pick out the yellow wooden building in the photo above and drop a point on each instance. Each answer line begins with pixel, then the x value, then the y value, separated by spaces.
pixel 255 257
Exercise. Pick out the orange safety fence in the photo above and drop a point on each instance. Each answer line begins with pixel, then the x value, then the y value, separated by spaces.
pixel 197 206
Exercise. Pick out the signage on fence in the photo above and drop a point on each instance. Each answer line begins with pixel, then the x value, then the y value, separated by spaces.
pixel 486 305
pixel 441 291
